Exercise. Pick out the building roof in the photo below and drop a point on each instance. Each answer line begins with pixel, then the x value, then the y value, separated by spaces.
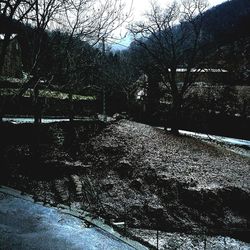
pixel 205 70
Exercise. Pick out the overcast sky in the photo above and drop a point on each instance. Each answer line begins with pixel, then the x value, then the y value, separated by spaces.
pixel 142 6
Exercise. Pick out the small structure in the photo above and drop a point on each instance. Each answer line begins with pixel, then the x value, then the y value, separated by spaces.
pixel 13 59
pixel 207 75
pixel 199 76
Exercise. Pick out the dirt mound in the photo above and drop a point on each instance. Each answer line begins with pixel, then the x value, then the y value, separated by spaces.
pixel 134 172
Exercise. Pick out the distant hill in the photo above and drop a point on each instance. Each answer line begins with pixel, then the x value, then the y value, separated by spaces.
pixel 228 21
pixel 227 29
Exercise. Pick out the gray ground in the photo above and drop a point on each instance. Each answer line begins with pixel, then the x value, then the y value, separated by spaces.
pixel 132 172
pixel 25 225
pixel 182 241
pixel 184 158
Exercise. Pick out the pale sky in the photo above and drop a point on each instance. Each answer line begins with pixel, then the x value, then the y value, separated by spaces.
pixel 140 7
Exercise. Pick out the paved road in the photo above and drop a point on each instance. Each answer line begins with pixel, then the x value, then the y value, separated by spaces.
pixel 25 226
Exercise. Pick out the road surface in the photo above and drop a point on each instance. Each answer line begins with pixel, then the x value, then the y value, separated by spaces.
pixel 26 225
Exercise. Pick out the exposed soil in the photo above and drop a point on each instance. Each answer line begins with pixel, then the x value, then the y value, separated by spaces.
pixel 181 241
pixel 133 172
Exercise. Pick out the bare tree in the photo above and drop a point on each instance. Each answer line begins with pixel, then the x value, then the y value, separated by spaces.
pixel 87 20
pixel 10 10
pixel 122 76
pixel 38 13
pixel 173 38
pixel 43 14
pixel 92 21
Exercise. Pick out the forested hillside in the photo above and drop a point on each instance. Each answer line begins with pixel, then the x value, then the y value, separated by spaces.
pixel 228 22
pixel 229 33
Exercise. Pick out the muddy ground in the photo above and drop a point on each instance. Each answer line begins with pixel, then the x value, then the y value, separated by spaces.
pixel 131 172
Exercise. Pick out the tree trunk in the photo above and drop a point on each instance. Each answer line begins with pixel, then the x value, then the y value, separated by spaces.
pixel 153 99
pixel 71 108
pixel 104 100
pixel 4 99
pixel 175 114
pixel 37 108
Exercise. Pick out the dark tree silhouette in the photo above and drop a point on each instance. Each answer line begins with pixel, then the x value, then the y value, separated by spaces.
pixel 173 38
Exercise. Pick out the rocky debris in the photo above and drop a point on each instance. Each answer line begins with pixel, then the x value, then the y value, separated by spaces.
pixel 58 136
pixel 61 189
pixel 52 168
pixel 150 175
pixel 117 117
pixel 154 210
pixel 108 185
pixel 124 168
pixel 136 184
pixel 121 116
pixel 76 165
pixel 77 185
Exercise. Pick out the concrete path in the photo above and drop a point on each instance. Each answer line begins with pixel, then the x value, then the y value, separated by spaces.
pixel 26 225
pixel 228 140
